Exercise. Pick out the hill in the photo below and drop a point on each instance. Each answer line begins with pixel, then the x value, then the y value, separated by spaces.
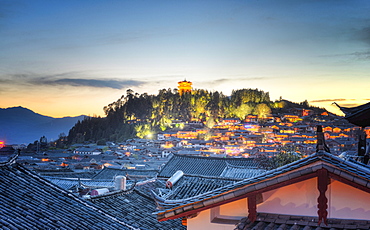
pixel 143 115
pixel 20 125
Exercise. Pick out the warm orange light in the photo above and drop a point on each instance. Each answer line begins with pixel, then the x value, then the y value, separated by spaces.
pixel 184 86
pixel 63 164
pixel 167 146
pixel 2 144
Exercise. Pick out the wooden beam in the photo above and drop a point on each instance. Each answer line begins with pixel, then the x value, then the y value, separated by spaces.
pixel 322 200
pixel 322 185
pixel 253 193
pixel 252 208
pixel 348 182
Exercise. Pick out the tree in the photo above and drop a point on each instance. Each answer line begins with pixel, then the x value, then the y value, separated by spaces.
pixel 143 130
pixel 242 111
pixel 262 110
pixel 62 141
pixel 305 104
pixel 210 122
pixel 101 142
pixel 165 123
pixel 287 154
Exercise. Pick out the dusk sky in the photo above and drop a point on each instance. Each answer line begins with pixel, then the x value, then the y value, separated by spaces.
pixel 67 58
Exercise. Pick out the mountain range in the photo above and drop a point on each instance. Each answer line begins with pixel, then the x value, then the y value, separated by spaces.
pixel 19 125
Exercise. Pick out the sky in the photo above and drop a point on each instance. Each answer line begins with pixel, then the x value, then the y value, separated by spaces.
pixel 66 58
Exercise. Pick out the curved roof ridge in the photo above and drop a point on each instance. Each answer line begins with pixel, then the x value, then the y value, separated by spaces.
pixel 227 187
pixel 77 178
pixel 213 158
pixel 11 160
pixel 267 174
pixel 229 165
pixel 321 155
pixel 319 160
pixel 212 177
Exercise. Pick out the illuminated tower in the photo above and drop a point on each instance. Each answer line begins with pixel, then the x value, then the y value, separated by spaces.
pixel 184 86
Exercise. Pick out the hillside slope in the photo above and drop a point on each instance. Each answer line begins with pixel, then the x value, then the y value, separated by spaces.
pixel 20 125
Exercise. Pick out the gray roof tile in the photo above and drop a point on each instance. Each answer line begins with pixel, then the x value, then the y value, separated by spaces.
pixel 191 185
pixel 211 166
pixel 273 221
pixel 111 173
pixel 319 160
pixel 135 208
pixel 31 202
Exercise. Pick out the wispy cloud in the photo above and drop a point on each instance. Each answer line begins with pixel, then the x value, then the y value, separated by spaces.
pixel 343 102
pixel 365 55
pixel 97 83
pixel 330 100
pixel 69 79
pixel 350 104
pixel 233 80
pixel 364 35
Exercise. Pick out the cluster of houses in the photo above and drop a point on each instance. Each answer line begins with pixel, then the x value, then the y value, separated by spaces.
pixel 196 178
pixel 228 138
pixel 236 138
pixel 320 191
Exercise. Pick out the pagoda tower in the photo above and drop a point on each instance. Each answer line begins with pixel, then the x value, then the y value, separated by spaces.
pixel 184 86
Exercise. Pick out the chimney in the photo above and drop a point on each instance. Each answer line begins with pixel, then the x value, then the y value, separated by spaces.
pixel 120 183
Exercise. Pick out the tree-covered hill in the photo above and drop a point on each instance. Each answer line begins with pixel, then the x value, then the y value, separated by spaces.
pixel 141 114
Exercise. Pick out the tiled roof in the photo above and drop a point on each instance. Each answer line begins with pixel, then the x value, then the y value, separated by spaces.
pixel 146 187
pixel 289 222
pixel 190 186
pixel 205 166
pixel 135 209
pixel 110 173
pixel 28 201
pixel 69 183
pixel 87 174
pixel 240 172
pixel 351 171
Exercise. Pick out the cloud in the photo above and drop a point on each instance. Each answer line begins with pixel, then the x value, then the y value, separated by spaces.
pixel 330 100
pixel 364 35
pixel 344 102
pixel 97 83
pixel 233 80
pixel 350 105
pixel 222 80
pixel 70 79
pixel 361 55
pixel 365 55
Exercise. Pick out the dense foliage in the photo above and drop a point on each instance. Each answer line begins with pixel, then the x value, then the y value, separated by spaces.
pixel 286 155
pixel 142 115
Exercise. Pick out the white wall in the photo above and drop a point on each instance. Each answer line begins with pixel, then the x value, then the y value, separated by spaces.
pixel 348 202
pixel 296 199
pixel 203 222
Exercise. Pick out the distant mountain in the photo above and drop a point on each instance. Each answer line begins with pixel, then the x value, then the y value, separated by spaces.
pixel 20 125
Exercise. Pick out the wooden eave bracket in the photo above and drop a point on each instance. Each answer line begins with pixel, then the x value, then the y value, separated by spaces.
pixel 322 200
